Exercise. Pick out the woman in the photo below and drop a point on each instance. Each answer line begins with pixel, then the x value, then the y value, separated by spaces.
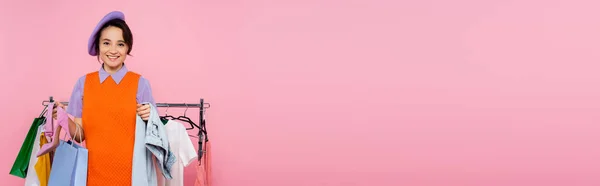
pixel 105 104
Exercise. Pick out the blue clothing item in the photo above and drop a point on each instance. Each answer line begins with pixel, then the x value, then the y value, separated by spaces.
pixel 158 143
pixel 150 140
pixel 143 173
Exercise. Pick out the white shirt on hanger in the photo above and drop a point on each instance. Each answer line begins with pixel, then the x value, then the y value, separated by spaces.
pixel 183 149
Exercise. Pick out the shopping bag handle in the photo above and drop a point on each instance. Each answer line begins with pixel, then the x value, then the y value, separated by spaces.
pixel 78 130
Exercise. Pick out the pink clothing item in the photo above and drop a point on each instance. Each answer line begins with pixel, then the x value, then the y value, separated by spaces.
pixel 203 171
pixel 62 118
pixel 62 122
pixel 49 127
pixel 160 180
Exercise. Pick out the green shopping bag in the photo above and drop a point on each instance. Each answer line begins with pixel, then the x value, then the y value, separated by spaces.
pixel 21 163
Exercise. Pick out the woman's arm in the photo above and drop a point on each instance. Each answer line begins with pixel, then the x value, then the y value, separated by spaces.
pixel 144 95
pixel 75 108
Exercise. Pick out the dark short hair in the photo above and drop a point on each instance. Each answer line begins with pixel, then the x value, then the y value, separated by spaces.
pixel 127 35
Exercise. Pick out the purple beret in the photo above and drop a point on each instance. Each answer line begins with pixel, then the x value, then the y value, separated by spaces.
pixel 110 16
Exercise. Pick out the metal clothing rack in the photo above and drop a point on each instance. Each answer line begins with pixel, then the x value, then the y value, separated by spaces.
pixel 201 107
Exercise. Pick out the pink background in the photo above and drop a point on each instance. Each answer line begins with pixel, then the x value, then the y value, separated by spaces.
pixel 355 92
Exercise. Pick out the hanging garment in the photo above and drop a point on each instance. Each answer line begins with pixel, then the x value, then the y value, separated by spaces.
pixel 160 180
pixel 21 162
pixel 203 171
pixel 144 169
pixel 183 149
pixel 43 165
pixel 62 121
pixel 108 120
pixel 155 146
pixel 158 143
pixel 32 177
pixel 49 129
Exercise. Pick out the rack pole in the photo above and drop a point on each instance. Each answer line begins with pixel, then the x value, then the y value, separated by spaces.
pixel 200 130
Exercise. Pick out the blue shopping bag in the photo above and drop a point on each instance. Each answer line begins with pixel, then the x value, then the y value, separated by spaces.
pixel 81 166
pixel 69 167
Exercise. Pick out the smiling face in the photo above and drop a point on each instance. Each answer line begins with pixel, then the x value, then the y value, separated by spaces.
pixel 113 43
pixel 112 47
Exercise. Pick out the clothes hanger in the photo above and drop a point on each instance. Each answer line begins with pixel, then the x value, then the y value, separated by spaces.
pixel 188 120
pixel 45 107
pixel 43 118
pixel 165 119
pixel 43 111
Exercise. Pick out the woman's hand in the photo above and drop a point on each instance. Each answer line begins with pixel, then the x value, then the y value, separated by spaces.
pixel 143 111
pixel 56 105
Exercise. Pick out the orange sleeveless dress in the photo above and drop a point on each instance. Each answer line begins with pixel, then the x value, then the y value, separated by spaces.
pixel 108 120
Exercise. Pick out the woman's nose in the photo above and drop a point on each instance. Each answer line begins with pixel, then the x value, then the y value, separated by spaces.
pixel 113 49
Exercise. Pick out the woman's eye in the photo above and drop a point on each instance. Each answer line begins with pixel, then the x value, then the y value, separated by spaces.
pixel 121 45
pixel 105 43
